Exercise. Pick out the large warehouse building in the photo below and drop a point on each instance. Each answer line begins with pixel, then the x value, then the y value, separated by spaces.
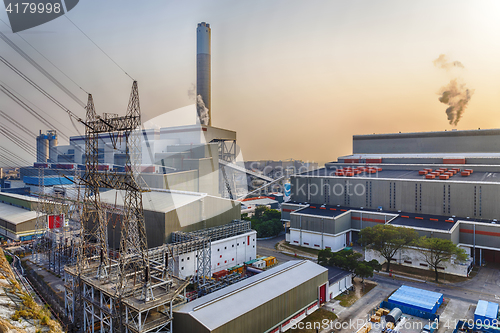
pixel 17 216
pixel 271 301
pixel 166 211
pixel 442 184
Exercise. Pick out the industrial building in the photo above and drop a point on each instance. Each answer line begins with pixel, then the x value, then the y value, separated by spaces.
pixel 17 216
pixel 418 299
pixel 339 281
pixel 442 184
pixel 166 211
pixel 266 302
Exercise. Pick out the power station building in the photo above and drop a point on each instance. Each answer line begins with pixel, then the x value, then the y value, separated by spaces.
pixel 442 184
pixel 166 211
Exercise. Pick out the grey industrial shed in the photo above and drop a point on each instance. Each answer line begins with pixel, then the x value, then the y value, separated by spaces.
pixel 257 304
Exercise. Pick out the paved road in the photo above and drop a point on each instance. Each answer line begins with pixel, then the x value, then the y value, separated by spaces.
pixel 469 293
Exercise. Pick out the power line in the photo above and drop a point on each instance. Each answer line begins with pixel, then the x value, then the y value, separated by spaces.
pixel 17 124
pixel 14 155
pixel 17 140
pixel 25 106
pixel 48 60
pixel 41 69
pixel 98 47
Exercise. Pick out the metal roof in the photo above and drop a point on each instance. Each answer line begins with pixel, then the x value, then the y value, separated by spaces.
pixel 19 196
pixel 156 200
pixel 416 298
pixel 476 177
pixel 14 214
pixel 422 155
pixel 335 274
pixel 217 309
pixel 263 201
pixel 321 210
pixel 486 309
pixel 424 221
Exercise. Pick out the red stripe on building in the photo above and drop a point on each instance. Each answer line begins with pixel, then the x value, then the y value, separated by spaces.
pixel 479 232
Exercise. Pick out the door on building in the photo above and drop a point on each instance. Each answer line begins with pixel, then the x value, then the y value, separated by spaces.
pixel 322 294
pixel 347 240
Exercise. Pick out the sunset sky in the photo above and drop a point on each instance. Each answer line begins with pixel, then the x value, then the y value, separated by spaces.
pixel 294 79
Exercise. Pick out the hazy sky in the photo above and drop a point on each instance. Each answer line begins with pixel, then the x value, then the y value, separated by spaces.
pixel 295 79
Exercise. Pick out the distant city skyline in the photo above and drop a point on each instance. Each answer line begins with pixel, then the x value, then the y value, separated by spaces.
pixel 294 79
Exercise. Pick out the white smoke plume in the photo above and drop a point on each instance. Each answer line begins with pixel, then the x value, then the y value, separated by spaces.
pixel 443 62
pixel 456 95
pixel 202 111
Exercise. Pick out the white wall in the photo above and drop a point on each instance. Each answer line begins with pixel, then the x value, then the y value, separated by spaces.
pixel 317 240
pixel 414 258
pixel 226 253
pixel 340 286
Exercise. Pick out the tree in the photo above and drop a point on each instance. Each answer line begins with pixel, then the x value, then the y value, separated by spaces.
pixel 346 259
pixel 437 251
pixel 364 270
pixel 349 260
pixel 267 222
pixel 387 240
pixel 324 257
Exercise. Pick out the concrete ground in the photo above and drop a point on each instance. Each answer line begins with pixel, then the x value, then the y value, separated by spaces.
pixel 454 311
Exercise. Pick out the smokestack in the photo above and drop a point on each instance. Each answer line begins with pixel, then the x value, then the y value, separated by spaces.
pixel 203 73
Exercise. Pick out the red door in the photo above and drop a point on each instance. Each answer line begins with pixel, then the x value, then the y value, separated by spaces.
pixel 322 294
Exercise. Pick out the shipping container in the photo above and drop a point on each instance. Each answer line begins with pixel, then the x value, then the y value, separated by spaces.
pixel 40 165
pixel 236 269
pixel 469 170
pixel 374 160
pixel 444 177
pixel 270 261
pixel 351 160
pixel 430 176
pixel 259 264
pixel 423 172
pixel 63 166
pixel 219 274
pixel 465 173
